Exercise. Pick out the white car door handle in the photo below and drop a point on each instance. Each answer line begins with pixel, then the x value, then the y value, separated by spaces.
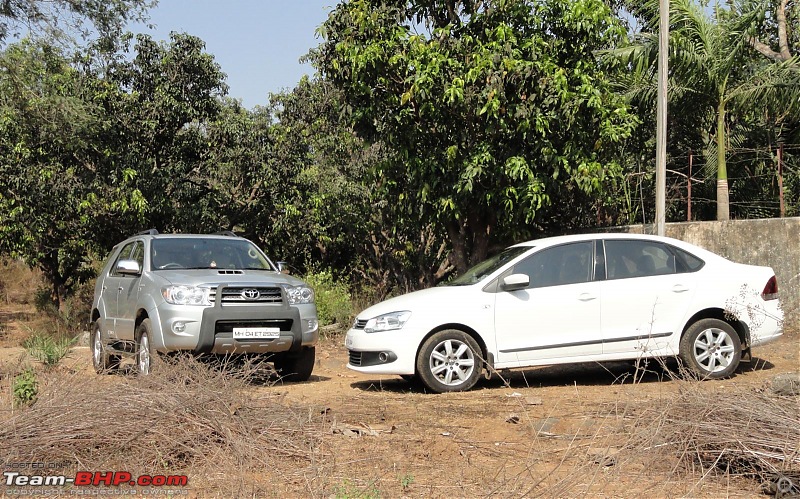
pixel 679 288
pixel 586 297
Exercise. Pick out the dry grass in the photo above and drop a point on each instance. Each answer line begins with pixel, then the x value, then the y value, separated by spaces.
pixel 189 417
pixel 729 432
pixel 711 438
pixel 17 281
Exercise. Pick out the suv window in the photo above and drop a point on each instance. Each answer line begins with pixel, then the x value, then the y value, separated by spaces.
pixel 626 259
pixel 206 253
pixel 137 254
pixel 557 266
pixel 125 254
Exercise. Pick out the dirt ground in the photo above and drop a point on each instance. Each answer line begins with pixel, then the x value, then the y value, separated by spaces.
pixel 561 431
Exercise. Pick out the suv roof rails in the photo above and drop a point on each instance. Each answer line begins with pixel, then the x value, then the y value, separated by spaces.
pixel 148 232
pixel 226 233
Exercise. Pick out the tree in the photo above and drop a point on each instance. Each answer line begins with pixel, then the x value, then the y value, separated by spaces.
pixel 780 37
pixel 497 110
pixel 711 70
pixel 172 90
pixel 91 151
pixel 61 187
pixel 60 19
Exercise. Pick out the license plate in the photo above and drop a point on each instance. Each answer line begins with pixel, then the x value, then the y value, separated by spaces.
pixel 256 333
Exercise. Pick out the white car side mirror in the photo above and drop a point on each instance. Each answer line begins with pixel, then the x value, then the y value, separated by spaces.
pixel 514 282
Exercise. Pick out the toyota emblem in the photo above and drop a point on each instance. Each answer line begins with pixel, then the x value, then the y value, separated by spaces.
pixel 250 294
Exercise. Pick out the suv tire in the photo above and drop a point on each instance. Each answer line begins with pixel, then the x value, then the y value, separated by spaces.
pixel 102 360
pixel 296 366
pixel 144 354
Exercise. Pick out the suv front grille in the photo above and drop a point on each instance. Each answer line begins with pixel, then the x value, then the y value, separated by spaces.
pixel 355 358
pixel 360 323
pixel 248 294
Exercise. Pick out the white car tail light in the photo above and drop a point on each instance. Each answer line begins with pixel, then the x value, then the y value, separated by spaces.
pixel 770 290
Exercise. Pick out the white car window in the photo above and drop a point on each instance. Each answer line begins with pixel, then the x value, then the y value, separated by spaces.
pixel 557 266
pixel 632 258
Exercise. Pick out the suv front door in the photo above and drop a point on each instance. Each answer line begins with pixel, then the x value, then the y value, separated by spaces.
pixel 127 295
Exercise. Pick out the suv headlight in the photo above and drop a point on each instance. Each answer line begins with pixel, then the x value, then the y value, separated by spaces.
pixel 185 295
pixel 299 294
pixel 387 322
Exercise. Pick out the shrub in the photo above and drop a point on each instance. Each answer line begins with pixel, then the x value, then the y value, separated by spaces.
pixel 25 387
pixel 334 305
pixel 47 349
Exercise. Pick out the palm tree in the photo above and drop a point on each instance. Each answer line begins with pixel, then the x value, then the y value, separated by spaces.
pixel 714 65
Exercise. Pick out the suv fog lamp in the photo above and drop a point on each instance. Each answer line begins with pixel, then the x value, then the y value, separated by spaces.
pixel 178 327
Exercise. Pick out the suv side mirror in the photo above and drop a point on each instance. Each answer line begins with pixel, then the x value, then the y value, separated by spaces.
pixel 515 282
pixel 128 267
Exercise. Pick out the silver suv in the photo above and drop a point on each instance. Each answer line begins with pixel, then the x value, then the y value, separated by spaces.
pixel 215 293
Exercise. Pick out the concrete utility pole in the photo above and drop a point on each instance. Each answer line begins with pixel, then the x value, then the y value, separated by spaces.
pixel 661 117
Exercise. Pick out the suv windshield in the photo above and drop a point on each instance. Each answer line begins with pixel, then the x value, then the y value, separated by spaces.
pixel 207 253
pixel 486 267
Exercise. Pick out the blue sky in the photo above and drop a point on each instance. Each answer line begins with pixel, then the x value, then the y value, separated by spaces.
pixel 258 43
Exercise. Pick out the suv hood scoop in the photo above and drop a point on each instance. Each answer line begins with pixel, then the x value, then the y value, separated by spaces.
pixel 230 272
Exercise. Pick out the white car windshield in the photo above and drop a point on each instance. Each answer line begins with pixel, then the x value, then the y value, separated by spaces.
pixel 487 267
pixel 207 253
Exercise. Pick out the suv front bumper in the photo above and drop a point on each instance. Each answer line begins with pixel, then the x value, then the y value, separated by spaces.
pixel 209 329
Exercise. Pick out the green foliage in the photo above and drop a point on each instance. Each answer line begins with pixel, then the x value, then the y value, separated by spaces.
pixel 334 305
pixel 60 185
pixel 497 111
pixel 61 19
pixel 406 481
pixel 349 490
pixel 90 151
pixel 25 387
pixel 717 80
pixel 47 349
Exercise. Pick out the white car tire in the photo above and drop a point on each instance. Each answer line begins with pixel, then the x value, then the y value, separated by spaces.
pixel 449 361
pixel 711 348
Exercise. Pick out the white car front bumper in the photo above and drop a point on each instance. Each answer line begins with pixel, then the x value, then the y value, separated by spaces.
pixel 385 352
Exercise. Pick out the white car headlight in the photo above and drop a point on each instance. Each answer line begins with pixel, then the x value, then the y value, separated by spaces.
pixel 185 295
pixel 299 294
pixel 387 322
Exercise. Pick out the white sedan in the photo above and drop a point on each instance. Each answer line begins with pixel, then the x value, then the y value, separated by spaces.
pixel 581 298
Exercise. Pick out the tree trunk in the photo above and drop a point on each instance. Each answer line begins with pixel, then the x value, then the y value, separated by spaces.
pixel 470 238
pixel 458 241
pixel 723 202
pixel 783 54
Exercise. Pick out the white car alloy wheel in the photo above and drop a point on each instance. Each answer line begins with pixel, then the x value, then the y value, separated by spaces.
pixel 448 361
pixel 711 348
